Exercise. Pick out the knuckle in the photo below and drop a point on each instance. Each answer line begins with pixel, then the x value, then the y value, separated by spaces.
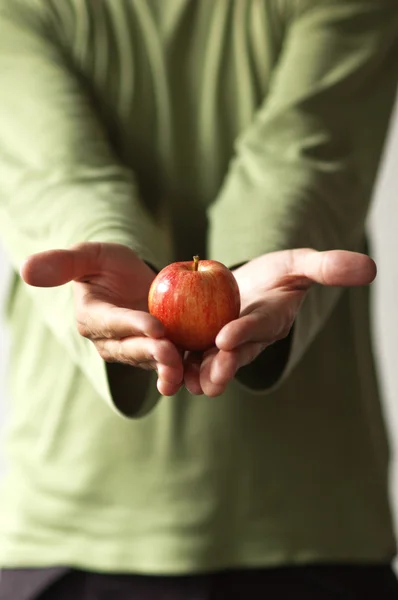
pixel 85 301
pixel 118 352
pixel 103 352
pixel 107 329
pixel 83 329
pixel 284 332
pixel 114 351
pixel 283 327
pixel 251 353
pixel 255 351
pixel 106 350
pixel 161 348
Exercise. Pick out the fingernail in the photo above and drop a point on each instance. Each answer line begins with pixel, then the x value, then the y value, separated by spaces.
pixel 206 362
pixel 192 393
pixel 215 376
pixel 195 367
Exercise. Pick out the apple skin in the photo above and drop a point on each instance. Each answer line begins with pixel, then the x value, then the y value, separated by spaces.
pixel 194 300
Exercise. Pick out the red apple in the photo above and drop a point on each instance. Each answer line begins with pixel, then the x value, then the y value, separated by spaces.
pixel 194 300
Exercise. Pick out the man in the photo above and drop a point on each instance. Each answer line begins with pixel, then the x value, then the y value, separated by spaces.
pixel 138 132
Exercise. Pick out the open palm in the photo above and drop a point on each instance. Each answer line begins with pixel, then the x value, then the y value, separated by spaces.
pixel 111 286
pixel 272 287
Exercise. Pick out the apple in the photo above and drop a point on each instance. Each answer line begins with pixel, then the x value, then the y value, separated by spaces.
pixel 194 300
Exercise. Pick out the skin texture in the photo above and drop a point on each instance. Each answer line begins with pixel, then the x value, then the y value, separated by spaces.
pixel 111 286
pixel 194 300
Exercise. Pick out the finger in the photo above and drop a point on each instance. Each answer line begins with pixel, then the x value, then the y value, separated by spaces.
pixel 334 267
pixel 240 331
pixel 57 267
pixel 170 374
pixel 250 328
pixel 210 388
pixel 159 355
pixel 192 374
pixel 225 365
pixel 270 321
pixel 97 320
pixel 170 379
pixel 146 353
pixel 167 389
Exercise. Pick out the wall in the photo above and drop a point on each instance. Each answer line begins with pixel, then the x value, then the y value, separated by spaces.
pixel 384 230
pixel 4 341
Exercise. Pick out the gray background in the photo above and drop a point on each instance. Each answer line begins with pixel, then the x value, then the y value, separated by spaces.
pixel 384 229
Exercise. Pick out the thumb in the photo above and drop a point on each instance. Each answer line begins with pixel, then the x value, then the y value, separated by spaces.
pixel 334 267
pixel 57 267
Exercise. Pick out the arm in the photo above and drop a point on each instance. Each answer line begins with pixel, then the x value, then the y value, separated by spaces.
pixel 61 183
pixel 304 170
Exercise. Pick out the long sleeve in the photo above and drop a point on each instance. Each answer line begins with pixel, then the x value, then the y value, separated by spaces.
pixel 304 169
pixel 61 182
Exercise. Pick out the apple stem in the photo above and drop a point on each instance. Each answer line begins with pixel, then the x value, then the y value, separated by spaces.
pixel 195 263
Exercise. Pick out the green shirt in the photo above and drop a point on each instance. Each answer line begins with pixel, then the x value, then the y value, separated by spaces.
pixel 228 129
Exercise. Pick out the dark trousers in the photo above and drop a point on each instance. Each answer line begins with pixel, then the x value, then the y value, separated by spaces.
pixel 333 582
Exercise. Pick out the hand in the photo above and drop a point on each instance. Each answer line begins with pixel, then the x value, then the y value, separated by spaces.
pixel 111 287
pixel 272 287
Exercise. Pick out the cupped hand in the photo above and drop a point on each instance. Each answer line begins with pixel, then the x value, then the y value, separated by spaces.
pixel 272 288
pixel 111 285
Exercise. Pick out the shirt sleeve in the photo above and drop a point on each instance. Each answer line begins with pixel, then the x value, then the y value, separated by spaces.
pixel 304 170
pixel 61 182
